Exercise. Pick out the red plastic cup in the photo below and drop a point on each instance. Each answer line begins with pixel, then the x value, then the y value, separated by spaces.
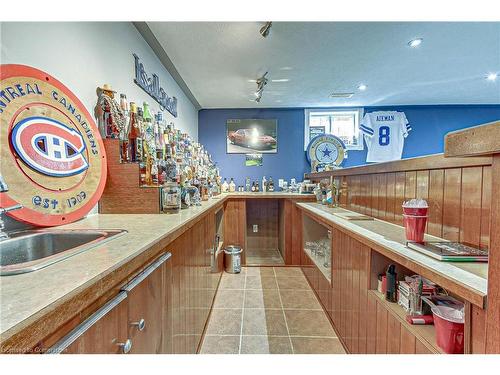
pixel 415 220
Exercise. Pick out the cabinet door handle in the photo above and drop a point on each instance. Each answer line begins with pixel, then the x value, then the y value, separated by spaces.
pixel 125 346
pixel 79 330
pixel 141 324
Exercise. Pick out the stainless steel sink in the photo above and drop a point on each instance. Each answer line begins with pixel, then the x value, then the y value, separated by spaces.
pixel 30 250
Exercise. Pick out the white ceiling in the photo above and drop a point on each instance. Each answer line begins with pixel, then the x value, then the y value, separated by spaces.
pixel 217 60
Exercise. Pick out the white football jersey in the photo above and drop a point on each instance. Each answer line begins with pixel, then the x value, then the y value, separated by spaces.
pixel 385 133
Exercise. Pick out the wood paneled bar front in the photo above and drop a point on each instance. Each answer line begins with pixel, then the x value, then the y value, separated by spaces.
pixel 474 143
pixel 462 193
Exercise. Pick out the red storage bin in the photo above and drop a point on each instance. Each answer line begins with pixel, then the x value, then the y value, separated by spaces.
pixel 449 334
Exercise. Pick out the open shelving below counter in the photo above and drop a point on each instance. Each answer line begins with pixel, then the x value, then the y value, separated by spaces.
pixel 426 334
pixel 468 281
pixel 325 270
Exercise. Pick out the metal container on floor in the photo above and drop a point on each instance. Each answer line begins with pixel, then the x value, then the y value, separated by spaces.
pixel 232 259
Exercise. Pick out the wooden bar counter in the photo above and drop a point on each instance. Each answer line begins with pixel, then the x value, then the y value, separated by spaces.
pixel 39 308
pixel 463 195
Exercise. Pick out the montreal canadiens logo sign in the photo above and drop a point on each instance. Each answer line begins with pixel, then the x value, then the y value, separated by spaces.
pixel 49 146
pixel 52 156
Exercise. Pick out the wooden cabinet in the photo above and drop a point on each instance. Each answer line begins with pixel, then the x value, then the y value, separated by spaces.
pixel 137 320
pixel 104 332
pixel 147 303
pixel 193 285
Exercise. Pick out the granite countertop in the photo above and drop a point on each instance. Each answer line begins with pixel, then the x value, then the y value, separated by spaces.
pixel 392 237
pixel 24 297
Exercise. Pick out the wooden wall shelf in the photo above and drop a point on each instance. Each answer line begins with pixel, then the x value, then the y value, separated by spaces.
pixel 122 194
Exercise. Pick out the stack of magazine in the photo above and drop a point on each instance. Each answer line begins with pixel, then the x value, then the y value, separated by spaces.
pixel 450 251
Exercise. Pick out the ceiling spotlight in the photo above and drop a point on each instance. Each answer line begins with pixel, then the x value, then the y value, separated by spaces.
pixel 264 30
pixel 415 42
pixel 280 80
pixel 362 87
pixel 261 82
pixel 492 77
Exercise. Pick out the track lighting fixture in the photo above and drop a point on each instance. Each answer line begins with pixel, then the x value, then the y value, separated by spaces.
pixel 264 30
pixel 261 82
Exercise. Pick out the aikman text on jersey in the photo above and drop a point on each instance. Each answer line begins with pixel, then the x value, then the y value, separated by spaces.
pixel 10 93
pixel 385 118
pixel 152 86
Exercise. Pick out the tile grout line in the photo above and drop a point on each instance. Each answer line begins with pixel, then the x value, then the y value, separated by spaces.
pixel 243 310
pixel 283 310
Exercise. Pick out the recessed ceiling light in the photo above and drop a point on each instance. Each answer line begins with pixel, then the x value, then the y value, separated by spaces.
pixel 252 80
pixel 415 42
pixel 492 77
pixel 362 87
pixel 280 80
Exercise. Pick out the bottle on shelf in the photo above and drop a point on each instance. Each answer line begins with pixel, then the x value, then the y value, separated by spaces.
pixel 123 134
pixel 232 186
pixel 270 184
pixel 257 188
pixel 253 187
pixel 225 186
pixel 134 136
pixel 247 184
pixel 171 198
pixel 391 288
pixel 140 138
pixel 264 184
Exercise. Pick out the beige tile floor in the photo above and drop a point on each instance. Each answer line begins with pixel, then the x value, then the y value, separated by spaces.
pixel 268 257
pixel 268 310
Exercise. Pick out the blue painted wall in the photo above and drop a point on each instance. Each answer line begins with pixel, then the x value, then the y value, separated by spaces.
pixel 429 126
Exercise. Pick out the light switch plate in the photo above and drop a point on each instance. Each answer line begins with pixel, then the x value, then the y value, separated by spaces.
pixel 255 228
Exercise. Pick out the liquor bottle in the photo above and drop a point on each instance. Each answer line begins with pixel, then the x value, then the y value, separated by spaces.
pixel 140 138
pixel 133 134
pixel 257 186
pixel 264 184
pixel 149 147
pixel 270 184
pixel 158 131
pixel 232 186
pixel 225 186
pixel 247 184
pixel 123 134
pixel 253 187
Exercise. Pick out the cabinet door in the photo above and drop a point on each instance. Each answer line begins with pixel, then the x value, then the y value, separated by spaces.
pixel 145 308
pixel 104 332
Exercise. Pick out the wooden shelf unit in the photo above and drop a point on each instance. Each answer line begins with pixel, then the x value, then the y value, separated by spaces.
pixel 426 334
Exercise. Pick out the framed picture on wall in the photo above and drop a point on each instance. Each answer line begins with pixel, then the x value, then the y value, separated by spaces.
pixel 246 136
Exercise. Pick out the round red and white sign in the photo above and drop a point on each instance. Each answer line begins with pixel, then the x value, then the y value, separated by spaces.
pixel 52 155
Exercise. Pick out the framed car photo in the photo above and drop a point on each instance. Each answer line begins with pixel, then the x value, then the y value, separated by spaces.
pixel 246 136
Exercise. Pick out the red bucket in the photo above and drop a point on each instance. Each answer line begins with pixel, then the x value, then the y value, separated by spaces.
pixel 449 335
pixel 415 220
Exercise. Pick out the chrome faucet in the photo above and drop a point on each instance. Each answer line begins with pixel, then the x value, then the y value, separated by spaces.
pixel 4 235
pixel 3 188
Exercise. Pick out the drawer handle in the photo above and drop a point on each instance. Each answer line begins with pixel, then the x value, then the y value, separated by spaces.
pixel 125 346
pixel 141 324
